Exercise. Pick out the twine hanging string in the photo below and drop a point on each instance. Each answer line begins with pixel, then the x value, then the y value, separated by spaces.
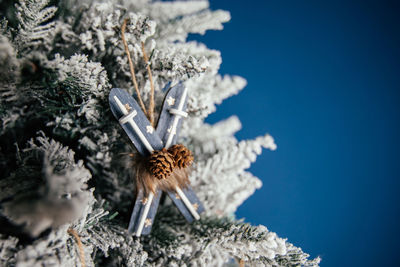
pixel 80 246
pixel 150 111
pixel 132 70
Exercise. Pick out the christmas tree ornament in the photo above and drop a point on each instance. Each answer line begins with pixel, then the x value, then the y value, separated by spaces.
pixel 163 165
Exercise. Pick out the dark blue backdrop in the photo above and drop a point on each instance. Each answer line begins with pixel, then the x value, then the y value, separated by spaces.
pixel 323 79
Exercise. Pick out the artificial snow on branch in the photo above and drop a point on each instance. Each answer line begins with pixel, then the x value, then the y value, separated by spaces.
pixel 34 27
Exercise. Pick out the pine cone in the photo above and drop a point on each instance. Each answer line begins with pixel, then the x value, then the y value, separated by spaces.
pixel 182 155
pixel 161 164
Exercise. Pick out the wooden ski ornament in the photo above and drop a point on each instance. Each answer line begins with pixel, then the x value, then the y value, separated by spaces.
pixel 147 140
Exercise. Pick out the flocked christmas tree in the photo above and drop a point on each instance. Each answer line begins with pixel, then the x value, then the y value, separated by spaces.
pixel 66 186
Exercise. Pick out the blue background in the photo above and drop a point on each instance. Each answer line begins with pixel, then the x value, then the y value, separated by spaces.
pixel 323 80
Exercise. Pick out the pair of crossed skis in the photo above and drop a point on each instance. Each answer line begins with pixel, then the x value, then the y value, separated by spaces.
pixel 146 139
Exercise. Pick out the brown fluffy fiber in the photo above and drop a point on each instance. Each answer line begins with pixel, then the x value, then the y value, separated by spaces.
pixel 145 179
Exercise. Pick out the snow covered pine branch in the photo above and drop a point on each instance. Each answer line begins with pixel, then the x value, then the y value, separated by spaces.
pixel 66 164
